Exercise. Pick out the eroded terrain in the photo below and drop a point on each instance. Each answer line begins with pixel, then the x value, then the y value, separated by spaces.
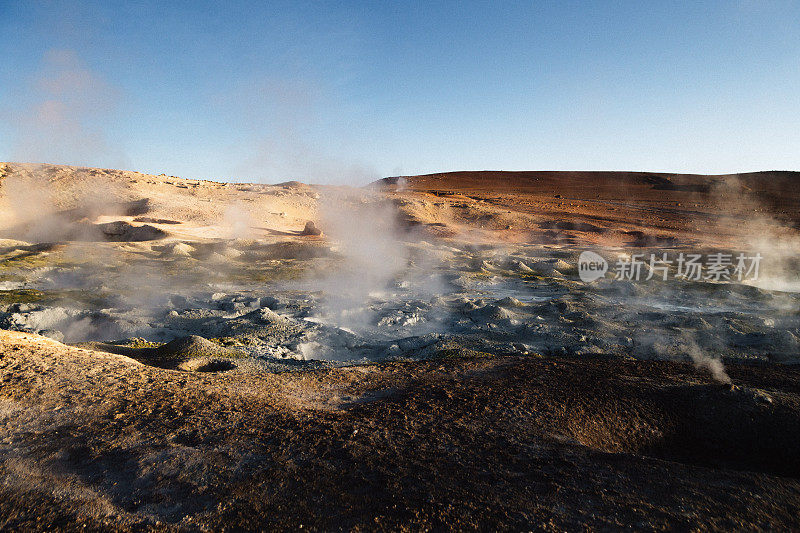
pixel 189 354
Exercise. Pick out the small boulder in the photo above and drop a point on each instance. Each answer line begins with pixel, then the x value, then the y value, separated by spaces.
pixel 121 231
pixel 311 229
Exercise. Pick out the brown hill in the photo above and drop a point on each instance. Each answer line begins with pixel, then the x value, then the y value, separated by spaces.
pixel 634 208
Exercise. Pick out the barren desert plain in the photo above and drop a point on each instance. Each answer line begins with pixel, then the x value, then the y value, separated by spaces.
pixel 184 355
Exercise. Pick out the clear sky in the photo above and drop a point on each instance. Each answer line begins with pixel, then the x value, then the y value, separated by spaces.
pixel 350 91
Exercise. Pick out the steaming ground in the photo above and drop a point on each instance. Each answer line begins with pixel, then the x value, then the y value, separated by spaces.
pixel 484 299
pixel 231 368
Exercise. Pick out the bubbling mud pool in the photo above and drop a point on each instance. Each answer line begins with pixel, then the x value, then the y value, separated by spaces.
pixel 312 309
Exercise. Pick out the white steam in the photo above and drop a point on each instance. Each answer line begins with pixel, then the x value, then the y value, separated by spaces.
pixel 757 226
pixel 704 361
pixel 364 230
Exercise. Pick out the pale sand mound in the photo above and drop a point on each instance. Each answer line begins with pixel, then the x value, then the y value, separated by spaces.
pixel 192 353
pixel 191 346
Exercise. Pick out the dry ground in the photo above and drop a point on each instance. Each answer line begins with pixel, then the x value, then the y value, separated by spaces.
pixel 102 441
pixel 567 208
pixel 602 208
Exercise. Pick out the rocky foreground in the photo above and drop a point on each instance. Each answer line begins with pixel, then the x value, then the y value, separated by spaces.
pixel 102 441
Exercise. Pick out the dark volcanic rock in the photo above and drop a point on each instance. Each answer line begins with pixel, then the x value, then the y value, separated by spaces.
pixel 121 231
pixel 311 229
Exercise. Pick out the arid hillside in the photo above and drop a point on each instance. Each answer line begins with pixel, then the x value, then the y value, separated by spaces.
pixel 606 208
pixel 601 208
pixel 39 201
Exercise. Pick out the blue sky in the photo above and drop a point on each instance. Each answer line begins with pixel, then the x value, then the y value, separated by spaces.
pixel 351 91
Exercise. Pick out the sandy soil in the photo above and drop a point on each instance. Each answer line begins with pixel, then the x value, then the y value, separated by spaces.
pixel 187 209
pixel 602 208
pixel 102 441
